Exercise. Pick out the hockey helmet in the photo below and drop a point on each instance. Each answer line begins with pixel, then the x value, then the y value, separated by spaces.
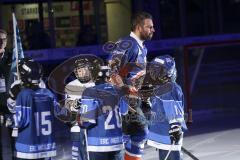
pixel 30 71
pixel 164 68
pixel 86 69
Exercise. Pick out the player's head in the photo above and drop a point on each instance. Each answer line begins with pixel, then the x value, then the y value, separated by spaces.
pixel 30 71
pixel 86 68
pixel 83 70
pixel 142 25
pixel 164 68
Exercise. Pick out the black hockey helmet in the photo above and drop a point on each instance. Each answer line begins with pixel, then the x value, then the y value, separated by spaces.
pixel 164 68
pixel 86 69
pixel 30 71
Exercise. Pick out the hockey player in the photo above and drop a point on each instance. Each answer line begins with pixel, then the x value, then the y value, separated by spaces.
pixel 167 124
pixel 34 115
pixel 100 115
pixel 73 95
pixel 131 67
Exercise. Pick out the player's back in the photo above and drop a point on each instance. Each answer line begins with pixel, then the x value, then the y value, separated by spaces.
pixel 104 133
pixel 170 103
pixel 34 120
pixel 167 108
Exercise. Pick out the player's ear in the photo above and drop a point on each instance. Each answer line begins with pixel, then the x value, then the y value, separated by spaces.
pixel 139 27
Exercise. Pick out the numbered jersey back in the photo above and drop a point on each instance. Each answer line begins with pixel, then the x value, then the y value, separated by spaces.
pixel 34 120
pixel 105 134
pixel 171 104
pixel 167 108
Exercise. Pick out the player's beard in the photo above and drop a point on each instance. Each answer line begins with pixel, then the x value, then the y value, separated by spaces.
pixel 146 36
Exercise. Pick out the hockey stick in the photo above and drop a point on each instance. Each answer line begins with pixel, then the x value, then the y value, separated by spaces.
pixel 86 141
pixel 189 154
pixel 170 150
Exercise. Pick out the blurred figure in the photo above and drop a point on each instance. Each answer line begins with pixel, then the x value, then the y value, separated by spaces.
pixel 87 36
pixel 5 65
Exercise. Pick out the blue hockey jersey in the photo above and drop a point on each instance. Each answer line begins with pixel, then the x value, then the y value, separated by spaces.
pixel 167 108
pixel 34 120
pixel 100 115
pixel 133 60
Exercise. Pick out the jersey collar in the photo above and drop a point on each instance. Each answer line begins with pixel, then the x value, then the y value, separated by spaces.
pixel 140 42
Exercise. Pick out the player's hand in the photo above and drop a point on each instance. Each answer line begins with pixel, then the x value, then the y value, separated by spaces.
pixel 77 104
pixel 116 80
pixel 11 104
pixel 146 91
pixel 146 108
pixel 8 122
pixel 146 105
pixel 175 132
pixel 73 105
pixel 15 89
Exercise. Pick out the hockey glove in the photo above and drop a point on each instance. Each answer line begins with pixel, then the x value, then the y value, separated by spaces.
pixel 9 122
pixel 73 105
pixel 15 89
pixel 175 132
pixel 146 108
pixel 11 104
pixel 135 120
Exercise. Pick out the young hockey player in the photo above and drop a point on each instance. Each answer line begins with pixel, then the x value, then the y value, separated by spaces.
pixel 101 117
pixel 34 115
pixel 167 124
pixel 73 96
